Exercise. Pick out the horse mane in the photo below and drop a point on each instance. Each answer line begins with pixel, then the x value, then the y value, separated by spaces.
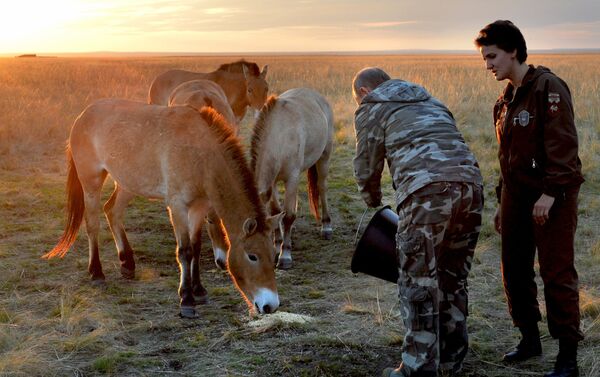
pixel 259 129
pixel 236 66
pixel 234 149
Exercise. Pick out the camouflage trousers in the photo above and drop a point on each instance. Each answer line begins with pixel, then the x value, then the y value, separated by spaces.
pixel 437 234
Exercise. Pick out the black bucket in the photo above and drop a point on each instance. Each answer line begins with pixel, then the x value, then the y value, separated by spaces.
pixel 375 253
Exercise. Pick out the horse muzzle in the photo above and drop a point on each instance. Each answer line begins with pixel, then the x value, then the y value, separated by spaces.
pixel 266 301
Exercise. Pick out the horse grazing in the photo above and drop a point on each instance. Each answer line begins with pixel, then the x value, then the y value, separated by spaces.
pixel 243 83
pixel 293 133
pixel 201 93
pixel 193 162
pixel 198 94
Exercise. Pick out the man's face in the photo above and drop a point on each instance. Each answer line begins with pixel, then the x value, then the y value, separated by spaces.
pixel 500 62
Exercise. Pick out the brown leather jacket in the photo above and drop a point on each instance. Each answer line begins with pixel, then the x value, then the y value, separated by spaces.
pixel 537 137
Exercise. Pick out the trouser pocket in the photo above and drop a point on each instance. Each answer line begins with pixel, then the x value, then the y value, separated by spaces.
pixel 417 307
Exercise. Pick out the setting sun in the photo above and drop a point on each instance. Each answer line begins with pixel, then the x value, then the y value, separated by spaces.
pixel 210 26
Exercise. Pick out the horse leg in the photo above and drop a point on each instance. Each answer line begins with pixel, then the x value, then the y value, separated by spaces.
pixel 289 203
pixel 274 209
pixel 196 218
pixel 114 210
pixel 179 219
pixel 92 192
pixel 322 172
pixel 218 238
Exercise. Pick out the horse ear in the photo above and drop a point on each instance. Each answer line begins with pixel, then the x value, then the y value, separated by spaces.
pixel 263 74
pixel 249 227
pixel 273 221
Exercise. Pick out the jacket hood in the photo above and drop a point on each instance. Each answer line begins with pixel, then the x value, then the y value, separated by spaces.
pixel 397 91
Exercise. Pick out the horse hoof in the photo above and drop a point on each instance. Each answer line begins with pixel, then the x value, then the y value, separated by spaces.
pixel 201 299
pixel 99 282
pixel 187 312
pixel 327 234
pixel 284 263
pixel 127 273
pixel 220 264
pixel 200 295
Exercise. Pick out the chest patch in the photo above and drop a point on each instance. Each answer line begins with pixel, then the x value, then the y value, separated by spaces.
pixel 523 118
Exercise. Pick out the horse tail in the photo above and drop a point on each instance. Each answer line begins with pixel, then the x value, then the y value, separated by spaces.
pixel 75 211
pixel 313 191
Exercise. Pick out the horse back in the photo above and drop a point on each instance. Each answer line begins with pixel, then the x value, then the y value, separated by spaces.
pixel 292 133
pixel 166 82
pixel 201 93
pixel 145 148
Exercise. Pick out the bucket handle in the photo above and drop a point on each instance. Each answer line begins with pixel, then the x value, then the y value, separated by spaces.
pixel 359 226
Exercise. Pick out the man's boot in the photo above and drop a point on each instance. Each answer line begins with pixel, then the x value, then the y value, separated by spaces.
pixel 528 347
pixel 566 361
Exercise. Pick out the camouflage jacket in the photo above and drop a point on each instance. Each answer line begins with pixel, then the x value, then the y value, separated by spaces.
pixel 402 123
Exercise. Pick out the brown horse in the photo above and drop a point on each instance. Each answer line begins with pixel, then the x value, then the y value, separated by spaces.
pixel 293 133
pixel 198 94
pixel 243 83
pixel 193 162
pixel 201 93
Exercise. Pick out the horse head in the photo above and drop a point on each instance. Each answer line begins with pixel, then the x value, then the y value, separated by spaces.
pixel 251 264
pixel 257 87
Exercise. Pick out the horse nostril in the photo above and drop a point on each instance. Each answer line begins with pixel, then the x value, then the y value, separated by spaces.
pixel 267 309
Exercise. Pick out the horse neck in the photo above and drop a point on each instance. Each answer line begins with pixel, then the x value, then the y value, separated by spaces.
pixel 234 86
pixel 267 166
pixel 227 193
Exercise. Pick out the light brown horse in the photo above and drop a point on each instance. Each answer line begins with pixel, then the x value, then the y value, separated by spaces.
pixel 193 162
pixel 293 133
pixel 201 93
pixel 198 94
pixel 243 83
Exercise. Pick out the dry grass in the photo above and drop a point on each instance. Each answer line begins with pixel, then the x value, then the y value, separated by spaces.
pixel 53 321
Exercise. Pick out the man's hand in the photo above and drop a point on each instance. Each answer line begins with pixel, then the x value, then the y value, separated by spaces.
pixel 541 209
pixel 497 225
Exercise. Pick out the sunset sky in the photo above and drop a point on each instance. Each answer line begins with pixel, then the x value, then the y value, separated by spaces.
pixel 285 26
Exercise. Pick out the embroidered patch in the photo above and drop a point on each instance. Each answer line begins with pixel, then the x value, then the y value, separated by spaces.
pixel 522 118
pixel 553 101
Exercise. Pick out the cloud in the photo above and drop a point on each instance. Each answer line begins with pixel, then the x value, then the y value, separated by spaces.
pixel 385 24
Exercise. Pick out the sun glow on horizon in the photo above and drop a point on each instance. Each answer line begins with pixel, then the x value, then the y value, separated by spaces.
pixel 217 26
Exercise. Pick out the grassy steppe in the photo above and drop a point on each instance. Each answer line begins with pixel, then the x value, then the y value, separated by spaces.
pixel 53 321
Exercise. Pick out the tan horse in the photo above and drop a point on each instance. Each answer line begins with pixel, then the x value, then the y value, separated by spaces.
pixel 201 93
pixel 243 83
pixel 293 133
pixel 193 162
pixel 198 94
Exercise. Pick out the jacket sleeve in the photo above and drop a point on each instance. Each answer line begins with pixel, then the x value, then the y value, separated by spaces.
pixel 370 156
pixel 562 165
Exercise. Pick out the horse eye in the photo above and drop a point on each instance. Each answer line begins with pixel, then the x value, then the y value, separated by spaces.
pixel 253 257
pixel 250 90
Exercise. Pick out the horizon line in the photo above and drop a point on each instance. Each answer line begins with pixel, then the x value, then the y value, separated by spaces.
pixel 108 53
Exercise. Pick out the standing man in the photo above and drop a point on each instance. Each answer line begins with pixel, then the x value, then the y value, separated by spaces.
pixel 439 200
pixel 539 184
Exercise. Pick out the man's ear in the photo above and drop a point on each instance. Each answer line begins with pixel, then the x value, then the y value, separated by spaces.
pixel 363 90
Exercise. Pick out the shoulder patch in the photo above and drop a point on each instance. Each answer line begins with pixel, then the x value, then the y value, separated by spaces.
pixel 553 103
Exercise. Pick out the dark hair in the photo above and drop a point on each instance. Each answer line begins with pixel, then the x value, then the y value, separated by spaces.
pixel 506 36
